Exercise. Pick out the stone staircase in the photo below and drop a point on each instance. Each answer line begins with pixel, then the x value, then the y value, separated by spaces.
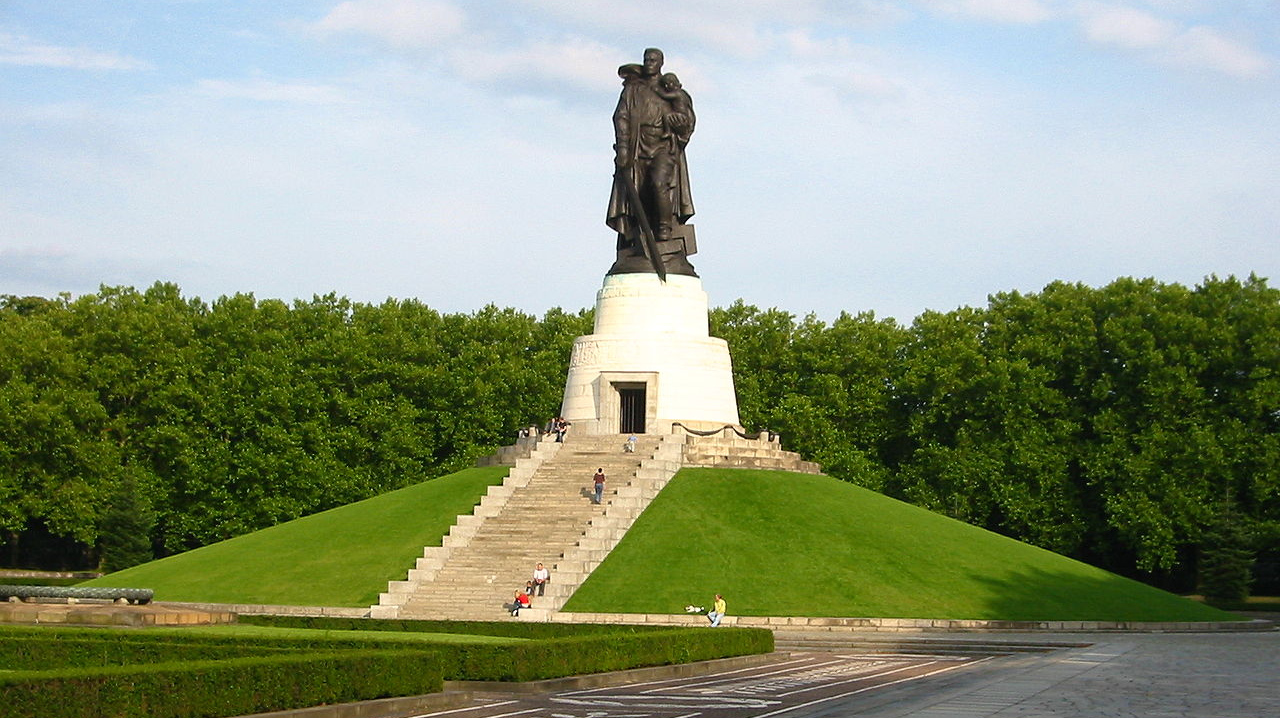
pixel 542 512
pixel 623 505
pixel 730 449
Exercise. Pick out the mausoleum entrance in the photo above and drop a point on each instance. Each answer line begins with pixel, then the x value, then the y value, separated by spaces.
pixel 631 405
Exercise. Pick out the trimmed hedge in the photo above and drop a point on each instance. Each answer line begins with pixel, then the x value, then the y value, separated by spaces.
pixel 562 649
pixel 196 676
pixel 505 629
pixel 37 653
pixel 211 689
pixel 597 654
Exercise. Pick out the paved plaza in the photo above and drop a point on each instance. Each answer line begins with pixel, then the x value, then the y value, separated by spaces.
pixel 1199 675
pixel 1216 675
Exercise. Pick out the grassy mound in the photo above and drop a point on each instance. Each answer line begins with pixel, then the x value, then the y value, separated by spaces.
pixel 774 543
pixel 341 557
pixel 782 544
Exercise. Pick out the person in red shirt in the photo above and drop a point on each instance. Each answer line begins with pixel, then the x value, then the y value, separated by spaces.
pixel 521 601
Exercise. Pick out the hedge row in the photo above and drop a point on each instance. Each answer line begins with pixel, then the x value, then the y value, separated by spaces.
pixel 505 629
pixel 597 654
pixel 36 653
pixel 562 649
pixel 170 675
pixel 210 689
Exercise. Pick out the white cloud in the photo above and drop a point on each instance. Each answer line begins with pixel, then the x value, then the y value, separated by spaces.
pixel 1020 12
pixel 1205 47
pixel 742 28
pixel 1129 28
pixel 1125 27
pixel 804 45
pixel 269 91
pixel 1142 28
pixel 841 65
pixel 411 24
pixel 577 62
pixel 19 50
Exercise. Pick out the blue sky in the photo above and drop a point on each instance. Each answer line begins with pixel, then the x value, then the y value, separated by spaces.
pixel 873 155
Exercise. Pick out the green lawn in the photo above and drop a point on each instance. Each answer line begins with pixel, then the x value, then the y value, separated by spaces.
pixel 774 543
pixel 341 557
pixel 782 544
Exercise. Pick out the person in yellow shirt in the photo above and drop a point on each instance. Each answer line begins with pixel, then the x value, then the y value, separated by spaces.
pixel 717 611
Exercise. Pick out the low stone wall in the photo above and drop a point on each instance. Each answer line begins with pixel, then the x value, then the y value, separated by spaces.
pixel 26 573
pixel 509 455
pixel 911 625
pixel 112 615
pixel 728 450
pixel 777 623
pixel 269 610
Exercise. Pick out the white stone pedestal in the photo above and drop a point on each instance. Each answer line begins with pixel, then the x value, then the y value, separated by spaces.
pixel 650 353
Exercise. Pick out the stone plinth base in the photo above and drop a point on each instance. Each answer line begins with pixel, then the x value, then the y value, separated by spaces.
pixel 650 362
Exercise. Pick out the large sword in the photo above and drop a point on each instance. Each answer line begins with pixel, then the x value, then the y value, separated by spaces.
pixel 623 178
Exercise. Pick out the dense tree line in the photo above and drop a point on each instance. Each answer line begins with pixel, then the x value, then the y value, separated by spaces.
pixel 199 422
pixel 1118 425
pixel 1133 426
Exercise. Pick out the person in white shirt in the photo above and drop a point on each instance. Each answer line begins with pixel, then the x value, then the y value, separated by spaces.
pixel 540 577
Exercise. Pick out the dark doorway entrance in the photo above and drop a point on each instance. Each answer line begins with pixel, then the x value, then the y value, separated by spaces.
pixel 631 401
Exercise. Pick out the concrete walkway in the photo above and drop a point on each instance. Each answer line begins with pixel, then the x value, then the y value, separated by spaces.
pixel 1225 674
pixel 1146 675
pixel 1192 675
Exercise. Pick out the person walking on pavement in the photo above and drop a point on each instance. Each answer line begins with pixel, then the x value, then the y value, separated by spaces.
pixel 599 485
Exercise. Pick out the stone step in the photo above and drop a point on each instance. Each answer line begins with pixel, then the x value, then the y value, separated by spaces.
pixel 541 513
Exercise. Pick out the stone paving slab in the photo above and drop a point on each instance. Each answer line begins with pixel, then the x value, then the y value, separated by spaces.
pixel 1178 675
pixel 1147 675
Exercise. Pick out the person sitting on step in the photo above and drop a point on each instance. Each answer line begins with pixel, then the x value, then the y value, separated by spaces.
pixel 520 601
pixel 540 577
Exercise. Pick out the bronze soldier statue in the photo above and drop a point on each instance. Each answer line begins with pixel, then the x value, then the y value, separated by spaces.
pixel 651 203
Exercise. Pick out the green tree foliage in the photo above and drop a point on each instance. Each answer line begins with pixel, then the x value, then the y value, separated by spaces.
pixel 125 534
pixel 228 417
pixel 825 389
pixel 1101 423
pixel 1104 423
pixel 57 458
pixel 1226 558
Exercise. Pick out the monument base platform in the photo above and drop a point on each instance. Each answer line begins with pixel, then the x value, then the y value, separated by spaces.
pixel 650 362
